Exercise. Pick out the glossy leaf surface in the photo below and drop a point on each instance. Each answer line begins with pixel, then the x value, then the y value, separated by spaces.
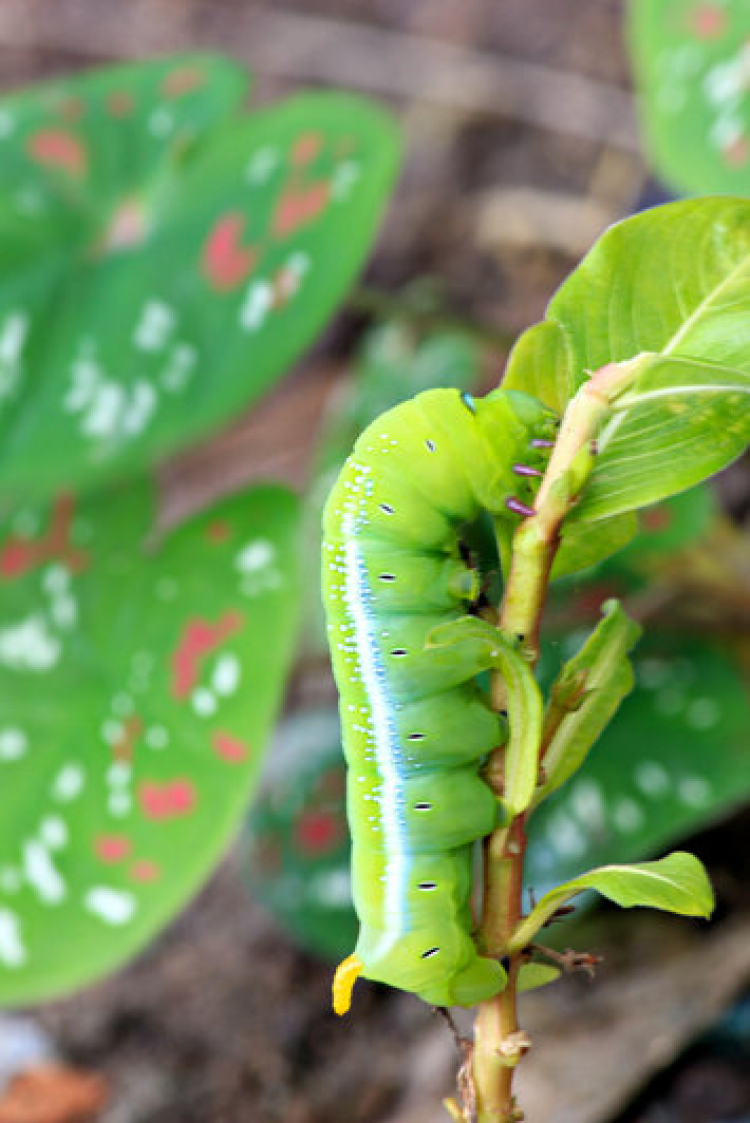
pixel 691 62
pixel 677 883
pixel 673 282
pixel 139 682
pixel 165 260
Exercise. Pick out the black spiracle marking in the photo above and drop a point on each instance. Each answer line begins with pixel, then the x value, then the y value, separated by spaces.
pixel 387 577
pixel 423 807
pixel 430 952
pixel 427 885
pixel 430 445
pixel 386 508
pixel 399 651
pixel 416 737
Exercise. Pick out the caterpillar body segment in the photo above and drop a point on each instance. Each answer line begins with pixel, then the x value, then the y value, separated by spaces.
pixel 415 725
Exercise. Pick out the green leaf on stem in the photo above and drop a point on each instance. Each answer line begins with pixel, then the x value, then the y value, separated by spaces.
pixel 540 365
pixel 586 544
pixel 587 695
pixel 166 259
pixel 489 648
pixel 683 421
pixel 535 975
pixel 673 282
pixel 673 761
pixel 139 683
pixel 677 883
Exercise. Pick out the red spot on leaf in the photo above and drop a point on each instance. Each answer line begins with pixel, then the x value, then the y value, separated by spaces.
pixel 168 800
pixel 219 531
pixel 298 206
pixel 656 519
pixel 20 555
pixel 737 153
pixel 120 103
pixel 305 149
pixel 111 847
pixel 226 262
pixel 198 639
pixel 144 871
pixel 57 148
pixel 183 81
pixel 318 832
pixel 230 748
pixel 706 21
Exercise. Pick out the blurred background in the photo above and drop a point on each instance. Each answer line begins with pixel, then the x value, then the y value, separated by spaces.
pixel 520 146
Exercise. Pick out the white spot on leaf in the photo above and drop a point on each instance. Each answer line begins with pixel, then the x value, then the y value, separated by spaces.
pixel 13 743
pixel 29 646
pixel 114 906
pixel 12 950
pixel 41 874
pixel 68 784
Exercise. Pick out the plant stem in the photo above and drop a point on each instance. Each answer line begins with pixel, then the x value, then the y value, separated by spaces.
pixel 498 1043
pixel 497 1047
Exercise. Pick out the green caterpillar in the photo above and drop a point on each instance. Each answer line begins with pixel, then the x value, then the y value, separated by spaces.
pixel 416 727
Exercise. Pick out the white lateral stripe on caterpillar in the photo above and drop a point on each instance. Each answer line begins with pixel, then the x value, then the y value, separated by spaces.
pixel 387 749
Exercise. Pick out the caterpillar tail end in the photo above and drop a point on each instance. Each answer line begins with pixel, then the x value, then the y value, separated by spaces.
pixel 347 973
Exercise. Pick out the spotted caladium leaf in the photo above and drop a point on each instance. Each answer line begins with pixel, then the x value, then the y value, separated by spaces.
pixel 297 848
pixel 164 260
pixel 691 59
pixel 138 681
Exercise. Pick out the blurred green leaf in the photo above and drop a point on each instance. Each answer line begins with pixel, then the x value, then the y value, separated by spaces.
pixel 296 845
pixel 165 260
pixel 691 63
pixel 670 526
pixel 677 883
pixel 139 683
